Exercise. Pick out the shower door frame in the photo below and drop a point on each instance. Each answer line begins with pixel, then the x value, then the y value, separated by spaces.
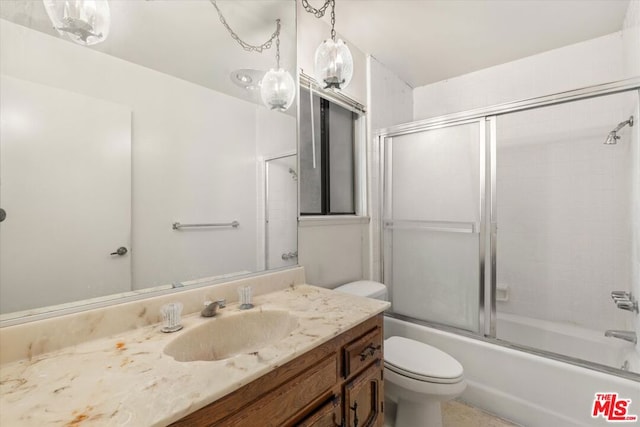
pixel 266 163
pixel 444 226
pixel 488 257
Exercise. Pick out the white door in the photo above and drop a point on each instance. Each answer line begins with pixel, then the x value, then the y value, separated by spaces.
pixel 65 184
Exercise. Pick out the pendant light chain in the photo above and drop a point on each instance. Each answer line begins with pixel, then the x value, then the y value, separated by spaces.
pixel 278 49
pixel 319 13
pixel 333 20
pixel 249 47
pixel 277 87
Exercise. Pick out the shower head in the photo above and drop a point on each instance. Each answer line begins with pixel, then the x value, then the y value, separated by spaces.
pixel 613 137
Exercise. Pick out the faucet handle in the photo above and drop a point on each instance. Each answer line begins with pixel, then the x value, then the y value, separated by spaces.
pixel 616 295
pixel 629 305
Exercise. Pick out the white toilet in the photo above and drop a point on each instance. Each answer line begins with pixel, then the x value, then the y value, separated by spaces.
pixel 417 376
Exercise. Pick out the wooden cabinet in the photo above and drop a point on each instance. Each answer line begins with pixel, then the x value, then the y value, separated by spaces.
pixel 338 384
pixel 363 398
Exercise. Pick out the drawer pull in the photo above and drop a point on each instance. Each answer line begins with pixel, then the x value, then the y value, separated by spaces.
pixel 354 408
pixel 370 350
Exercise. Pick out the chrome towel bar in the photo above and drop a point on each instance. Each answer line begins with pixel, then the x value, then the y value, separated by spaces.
pixel 178 226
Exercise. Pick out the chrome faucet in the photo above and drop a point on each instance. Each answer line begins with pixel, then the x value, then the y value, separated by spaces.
pixel 623 335
pixel 211 308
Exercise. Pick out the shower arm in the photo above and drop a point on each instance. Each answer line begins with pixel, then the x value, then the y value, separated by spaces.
pixel 623 124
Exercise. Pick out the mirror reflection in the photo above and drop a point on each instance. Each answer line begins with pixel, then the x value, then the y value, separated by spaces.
pixel 104 148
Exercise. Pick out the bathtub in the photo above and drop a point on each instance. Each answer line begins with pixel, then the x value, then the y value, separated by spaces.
pixel 569 340
pixel 527 389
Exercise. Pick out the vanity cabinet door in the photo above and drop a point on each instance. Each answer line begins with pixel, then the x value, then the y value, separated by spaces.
pixel 363 398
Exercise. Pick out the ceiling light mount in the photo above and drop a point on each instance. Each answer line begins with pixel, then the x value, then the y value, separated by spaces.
pixel 247 78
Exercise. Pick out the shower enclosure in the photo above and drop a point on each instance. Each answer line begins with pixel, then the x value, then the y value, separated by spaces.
pixel 514 224
pixel 280 211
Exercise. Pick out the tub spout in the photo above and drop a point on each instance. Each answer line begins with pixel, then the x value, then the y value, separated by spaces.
pixel 623 335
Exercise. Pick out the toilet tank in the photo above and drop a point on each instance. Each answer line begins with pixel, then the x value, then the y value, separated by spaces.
pixel 365 288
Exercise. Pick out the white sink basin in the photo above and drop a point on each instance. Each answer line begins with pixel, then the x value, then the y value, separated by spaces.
pixel 225 336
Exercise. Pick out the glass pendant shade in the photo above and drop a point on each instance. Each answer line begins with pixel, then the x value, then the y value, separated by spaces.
pixel 334 64
pixel 277 89
pixel 85 22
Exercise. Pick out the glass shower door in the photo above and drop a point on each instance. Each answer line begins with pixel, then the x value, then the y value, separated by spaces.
pixel 434 224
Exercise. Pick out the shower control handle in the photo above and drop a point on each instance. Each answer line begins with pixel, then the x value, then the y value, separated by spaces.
pixel 625 301
pixel 616 295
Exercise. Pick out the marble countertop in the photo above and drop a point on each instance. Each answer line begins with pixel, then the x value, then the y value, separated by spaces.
pixel 127 380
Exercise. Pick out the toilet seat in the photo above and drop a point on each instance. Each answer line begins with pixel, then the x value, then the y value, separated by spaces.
pixel 421 362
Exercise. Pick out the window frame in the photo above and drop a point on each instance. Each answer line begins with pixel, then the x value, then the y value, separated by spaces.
pixel 358 151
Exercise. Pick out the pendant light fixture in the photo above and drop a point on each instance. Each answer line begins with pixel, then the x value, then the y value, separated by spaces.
pixel 85 22
pixel 277 88
pixel 333 60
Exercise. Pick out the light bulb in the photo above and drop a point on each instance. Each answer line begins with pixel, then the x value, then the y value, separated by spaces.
pixel 277 89
pixel 85 22
pixel 334 64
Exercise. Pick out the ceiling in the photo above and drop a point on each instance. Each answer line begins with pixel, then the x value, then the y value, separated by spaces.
pixel 185 38
pixel 425 41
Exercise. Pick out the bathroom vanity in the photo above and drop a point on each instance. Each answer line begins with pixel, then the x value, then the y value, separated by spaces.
pixel 339 383
pixel 325 370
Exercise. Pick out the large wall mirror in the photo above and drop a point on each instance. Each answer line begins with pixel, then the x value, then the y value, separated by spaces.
pixel 104 148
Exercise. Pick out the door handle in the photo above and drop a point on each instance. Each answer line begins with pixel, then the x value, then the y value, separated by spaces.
pixel 120 251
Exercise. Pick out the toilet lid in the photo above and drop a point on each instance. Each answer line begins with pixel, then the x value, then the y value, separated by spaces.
pixel 420 361
pixel 364 288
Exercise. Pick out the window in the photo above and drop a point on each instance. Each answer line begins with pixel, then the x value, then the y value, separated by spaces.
pixel 327 157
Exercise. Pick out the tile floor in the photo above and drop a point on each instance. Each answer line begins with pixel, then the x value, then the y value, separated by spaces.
pixel 457 414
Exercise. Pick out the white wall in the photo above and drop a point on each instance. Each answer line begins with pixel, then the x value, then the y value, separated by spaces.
pixel 194 155
pixel 331 249
pixel 390 103
pixel 591 62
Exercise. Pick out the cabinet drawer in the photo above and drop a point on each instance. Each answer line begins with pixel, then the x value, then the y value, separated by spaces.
pixel 361 352
pixel 289 398
pixel 328 415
